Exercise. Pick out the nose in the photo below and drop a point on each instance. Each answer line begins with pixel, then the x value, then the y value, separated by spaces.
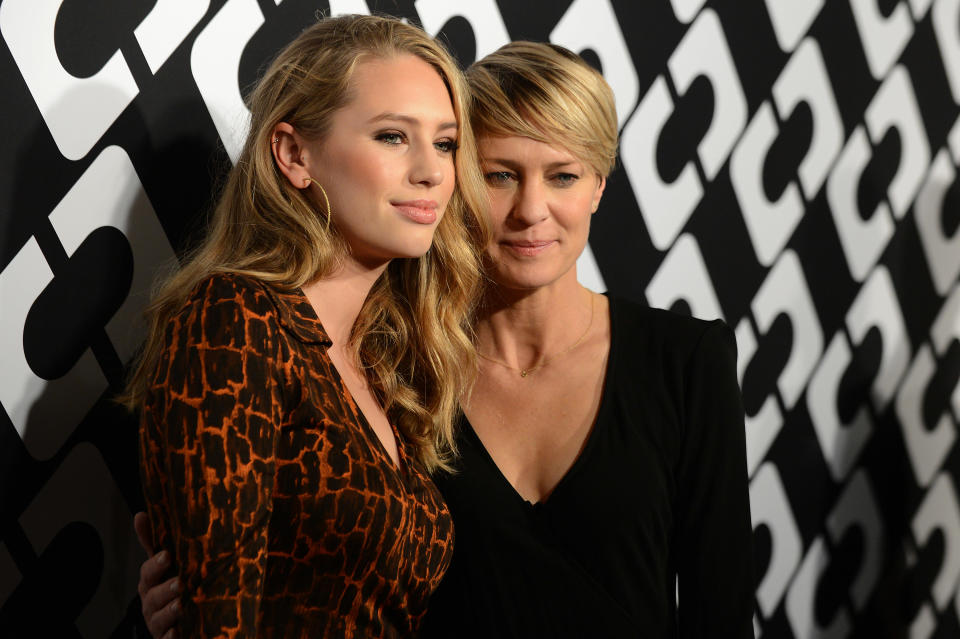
pixel 428 167
pixel 530 202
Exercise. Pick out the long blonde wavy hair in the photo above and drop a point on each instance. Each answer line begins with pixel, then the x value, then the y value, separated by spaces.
pixel 413 336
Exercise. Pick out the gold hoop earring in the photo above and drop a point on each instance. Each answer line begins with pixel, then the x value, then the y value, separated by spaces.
pixel 325 198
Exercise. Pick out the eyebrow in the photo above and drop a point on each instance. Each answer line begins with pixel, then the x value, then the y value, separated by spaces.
pixel 389 115
pixel 514 165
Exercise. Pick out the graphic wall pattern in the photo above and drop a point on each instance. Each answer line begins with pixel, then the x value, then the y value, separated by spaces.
pixel 787 165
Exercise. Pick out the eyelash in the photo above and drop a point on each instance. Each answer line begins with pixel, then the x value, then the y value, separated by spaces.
pixel 498 178
pixel 446 145
pixel 502 177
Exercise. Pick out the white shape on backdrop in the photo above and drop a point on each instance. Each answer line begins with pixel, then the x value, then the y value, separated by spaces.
pixel 483 15
pixel 589 24
pixel 43 412
pixel 770 507
pixel 940 511
pixel 344 7
pixel 588 273
pixel 792 19
pixel 110 194
pixel 83 490
pixel 769 224
pixel 703 52
pixel 919 8
pixel 883 39
pixel 763 427
pixel 215 64
pixel 856 508
pixel 862 240
pixel 166 26
pixel 946 27
pixel 785 291
pixel 805 79
pixel 945 330
pixel 686 10
pixel 895 107
pixel 683 275
pixel 840 442
pixel 801 613
pixel 665 206
pixel 77 111
pixel 942 252
pixel 877 306
pixel 924 624
pixel 926 448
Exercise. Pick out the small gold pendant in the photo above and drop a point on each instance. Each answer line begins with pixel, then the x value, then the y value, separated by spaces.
pixel 523 373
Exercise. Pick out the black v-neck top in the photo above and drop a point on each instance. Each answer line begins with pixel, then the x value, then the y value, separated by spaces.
pixel 647 535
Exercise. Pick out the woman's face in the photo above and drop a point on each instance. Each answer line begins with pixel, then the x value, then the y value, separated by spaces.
pixel 387 161
pixel 541 200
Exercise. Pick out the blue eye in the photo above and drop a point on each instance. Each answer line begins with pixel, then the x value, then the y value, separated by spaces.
pixel 446 146
pixel 498 178
pixel 565 179
pixel 390 137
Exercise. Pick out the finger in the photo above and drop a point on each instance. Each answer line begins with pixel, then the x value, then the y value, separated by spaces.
pixel 159 596
pixel 164 621
pixel 141 524
pixel 152 572
pixel 171 634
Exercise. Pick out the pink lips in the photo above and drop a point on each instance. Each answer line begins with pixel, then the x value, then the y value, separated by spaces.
pixel 528 248
pixel 419 211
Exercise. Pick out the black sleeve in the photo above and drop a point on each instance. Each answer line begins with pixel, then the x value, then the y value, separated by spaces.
pixel 713 544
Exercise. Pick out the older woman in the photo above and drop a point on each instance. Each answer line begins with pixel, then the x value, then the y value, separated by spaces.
pixel 600 488
pixel 301 374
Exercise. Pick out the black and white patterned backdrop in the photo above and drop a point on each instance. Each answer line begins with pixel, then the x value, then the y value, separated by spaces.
pixel 787 165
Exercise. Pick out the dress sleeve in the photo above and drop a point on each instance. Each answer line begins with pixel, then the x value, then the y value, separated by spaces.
pixel 714 555
pixel 209 446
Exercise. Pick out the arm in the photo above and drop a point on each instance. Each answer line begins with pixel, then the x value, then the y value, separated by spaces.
pixel 713 550
pixel 208 458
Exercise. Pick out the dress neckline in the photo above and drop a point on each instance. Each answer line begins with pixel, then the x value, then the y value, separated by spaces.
pixel 588 445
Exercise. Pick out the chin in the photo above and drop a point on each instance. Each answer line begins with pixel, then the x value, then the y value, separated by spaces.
pixel 520 280
pixel 413 247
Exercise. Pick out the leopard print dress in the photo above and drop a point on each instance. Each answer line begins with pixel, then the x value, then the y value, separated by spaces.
pixel 282 510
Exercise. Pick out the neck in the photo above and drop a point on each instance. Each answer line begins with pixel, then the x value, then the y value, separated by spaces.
pixel 521 328
pixel 338 298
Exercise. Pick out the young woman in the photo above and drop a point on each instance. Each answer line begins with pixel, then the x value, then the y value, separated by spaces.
pixel 301 374
pixel 600 488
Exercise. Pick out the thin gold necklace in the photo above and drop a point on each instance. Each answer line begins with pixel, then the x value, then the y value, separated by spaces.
pixel 527 371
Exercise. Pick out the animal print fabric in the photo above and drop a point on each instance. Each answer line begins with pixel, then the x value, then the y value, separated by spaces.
pixel 283 511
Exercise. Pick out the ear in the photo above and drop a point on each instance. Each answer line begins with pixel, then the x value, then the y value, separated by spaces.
pixel 290 153
pixel 598 193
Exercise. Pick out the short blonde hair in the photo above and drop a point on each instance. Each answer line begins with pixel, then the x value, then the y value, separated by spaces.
pixel 413 337
pixel 547 93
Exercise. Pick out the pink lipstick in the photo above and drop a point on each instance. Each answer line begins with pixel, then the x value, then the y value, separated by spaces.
pixel 419 211
pixel 528 248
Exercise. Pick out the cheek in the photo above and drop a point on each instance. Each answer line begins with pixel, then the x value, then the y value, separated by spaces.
pixel 578 211
pixel 361 168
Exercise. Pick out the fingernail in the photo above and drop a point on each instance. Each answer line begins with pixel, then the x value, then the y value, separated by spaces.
pixel 163 557
pixel 175 606
pixel 175 586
